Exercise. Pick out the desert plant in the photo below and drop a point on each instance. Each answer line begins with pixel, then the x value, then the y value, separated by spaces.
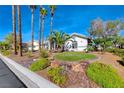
pixel 43 53
pixel 57 75
pixel 5 52
pixel 116 51
pixel 39 64
pixel 90 48
pixel 29 54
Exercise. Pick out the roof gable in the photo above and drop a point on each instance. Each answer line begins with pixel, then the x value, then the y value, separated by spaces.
pixel 78 35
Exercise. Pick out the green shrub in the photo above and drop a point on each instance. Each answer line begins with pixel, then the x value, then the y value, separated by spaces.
pixel 104 75
pixel 29 54
pixel 5 52
pixel 90 47
pixel 43 53
pixel 116 51
pixel 39 64
pixel 57 75
pixel 110 50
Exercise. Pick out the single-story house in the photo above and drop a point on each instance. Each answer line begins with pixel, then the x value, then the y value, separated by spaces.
pixel 77 42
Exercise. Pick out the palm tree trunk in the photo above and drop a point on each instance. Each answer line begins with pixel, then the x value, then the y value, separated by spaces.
pixel 51 24
pixel 32 28
pixel 39 33
pixel 51 30
pixel 14 28
pixel 42 32
pixel 19 30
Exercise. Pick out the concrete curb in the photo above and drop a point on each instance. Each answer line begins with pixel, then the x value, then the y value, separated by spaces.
pixel 29 78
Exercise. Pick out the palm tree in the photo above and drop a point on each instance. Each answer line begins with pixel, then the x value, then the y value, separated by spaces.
pixel 51 38
pixel 52 10
pixel 32 7
pixel 14 28
pixel 19 31
pixel 39 34
pixel 59 38
pixel 43 13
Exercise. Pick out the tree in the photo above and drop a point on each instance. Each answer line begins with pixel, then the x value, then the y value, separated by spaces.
pixel 4 45
pixel 60 38
pixel 19 30
pixel 103 32
pixel 118 41
pixel 9 38
pixel 102 43
pixel 14 28
pixel 52 11
pixel 43 13
pixel 39 34
pixel 32 7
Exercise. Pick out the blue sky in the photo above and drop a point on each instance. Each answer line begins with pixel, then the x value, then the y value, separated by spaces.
pixel 67 18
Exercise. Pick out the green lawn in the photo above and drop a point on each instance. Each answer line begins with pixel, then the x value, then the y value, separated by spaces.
pixel 104 75
pixel 73 56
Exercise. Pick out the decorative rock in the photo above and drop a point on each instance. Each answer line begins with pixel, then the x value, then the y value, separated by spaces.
pixel 55 64
pixel 34 59
pixel 77 68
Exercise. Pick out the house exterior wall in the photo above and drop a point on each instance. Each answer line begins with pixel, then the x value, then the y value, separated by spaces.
pixel 36 47
pixel 81 44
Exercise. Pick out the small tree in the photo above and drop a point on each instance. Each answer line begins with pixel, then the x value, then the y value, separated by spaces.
pixel 9 40
pixel 104 33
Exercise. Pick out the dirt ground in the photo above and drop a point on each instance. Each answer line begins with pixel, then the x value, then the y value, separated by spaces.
pixel 111 59
pixel 24 60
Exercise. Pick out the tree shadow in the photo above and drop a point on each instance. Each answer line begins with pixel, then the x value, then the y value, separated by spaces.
pixel 120 62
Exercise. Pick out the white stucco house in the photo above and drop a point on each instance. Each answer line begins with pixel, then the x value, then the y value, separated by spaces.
pixel 77 42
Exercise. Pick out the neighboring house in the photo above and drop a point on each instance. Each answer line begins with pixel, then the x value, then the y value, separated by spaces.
pixel 25 47
pixel 36 46
pixel 77 42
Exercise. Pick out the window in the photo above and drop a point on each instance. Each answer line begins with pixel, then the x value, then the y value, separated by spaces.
pixel 74 44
